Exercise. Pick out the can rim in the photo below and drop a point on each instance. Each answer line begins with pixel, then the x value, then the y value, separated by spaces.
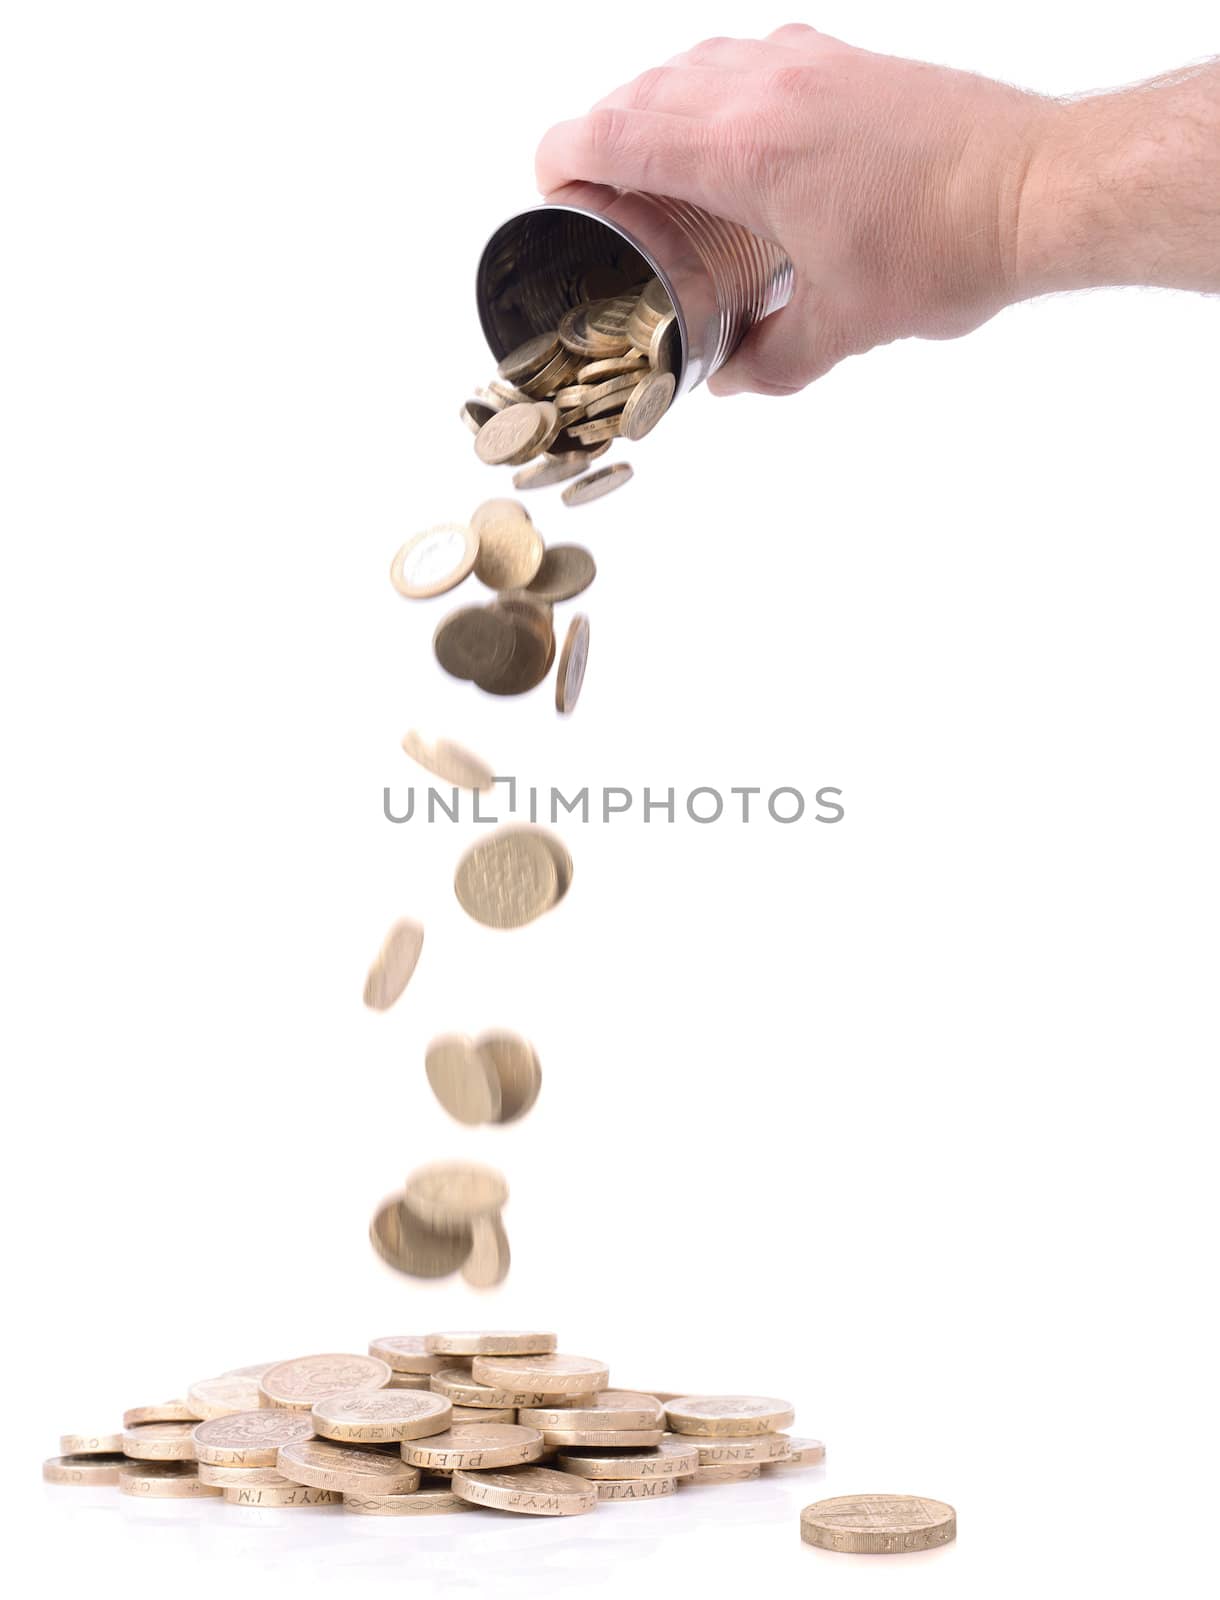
pixel 614 227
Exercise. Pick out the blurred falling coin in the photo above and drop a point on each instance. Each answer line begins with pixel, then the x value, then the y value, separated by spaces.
pixel 878 1524
pixel 528 358
pixel 489 1259
pixel 513 432
pixel 452 1194
pixel 434 561
pixel 515 1064
pixel 449 761
pixel 396 961
pixel 573 660
pixel 510 552
pixel 533 648
pixel 463 1079
pixel 508 879
pixel 596 484
pixel 409 1246
pixel 474 642
pixel 566 571
pixel 550 469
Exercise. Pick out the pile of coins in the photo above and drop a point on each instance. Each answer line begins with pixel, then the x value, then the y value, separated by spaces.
pixel 608 370
pixel 423 1425
pixel 508 646
pixel 446 1219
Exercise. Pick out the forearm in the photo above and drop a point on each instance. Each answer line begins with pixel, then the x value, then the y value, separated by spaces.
pixel 1125 189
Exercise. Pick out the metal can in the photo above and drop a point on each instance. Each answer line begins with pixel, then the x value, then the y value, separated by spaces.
pixel 588 242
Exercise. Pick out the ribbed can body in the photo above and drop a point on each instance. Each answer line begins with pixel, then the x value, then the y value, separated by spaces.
pixel 588 241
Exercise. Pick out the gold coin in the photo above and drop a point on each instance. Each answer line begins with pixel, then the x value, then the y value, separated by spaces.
pixel 490 1257
pixel 634 1489
pixel 603 1438
pixel 550 469
pixel 575 396
pixel 655 298
pixel 591 343
pixel 496 510
pixel 451 1194
pixel 669 1459
pixel 475 412
pixel 573 660
pixel 556 1374
pixel 510 552
pixel 507 393
pixel 406 1244
pixel 529 358
pixel 613 1408
pixel 533 647
pixel 406 1352
pixel 474 642
pixel 463 1079
pixel 612 367
pixel 449 761
pixel 434 561
pixel 611 406
pixel 242 1477
pixel 610 317
pixel 160 1441
pixel 878 1524
pixel 566 571
pixel 165 1480
pixel 81 1470
pixel 168 1411
pixel 90 1444
pixel 727 1472
pixel 743 1450
pixel 408 1380
pixel 428 1500
pixel 221 1397
pixel 610 388
pixel 722 1415
pixel 535 1491
pixel 396 961
pixel 249 1438
pixel 483 1414
pixel 456 1384
pixel 665 346
pixel 515 1061
pixel 508 879
pixel 801 1453
pixel 514 432
pixel 280 1496
pixel 597 432
pixel 476 1446
pixel 298 1384
pixel 596 484
pixel 346 1468
pixel 554 375
pixel 647 404
pixel 381 1416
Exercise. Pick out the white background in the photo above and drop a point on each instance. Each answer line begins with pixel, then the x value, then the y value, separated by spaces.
pixel 910 1119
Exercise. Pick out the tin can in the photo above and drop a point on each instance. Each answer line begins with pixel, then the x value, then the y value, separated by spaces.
pixel 588 242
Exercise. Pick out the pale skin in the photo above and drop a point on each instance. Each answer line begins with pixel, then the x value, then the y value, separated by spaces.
pixel 914 200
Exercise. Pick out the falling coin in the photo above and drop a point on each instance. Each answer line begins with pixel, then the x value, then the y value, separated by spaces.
pixel 510 552
pixel 514 432
pixel 596 484
pixel 566 571
pixel 449 761
pixel 550 469
pixel 463 1079
pixel 396 961
pixel 533 647
pixel 451 1194
pixel 573 660
pixel 489 1259
pixel 515 1064
pixel 406 1244
pixel 529 358
pixel 878 1524
pixel 508 879
pixel 474 642
pixel 647 404
pixel 434 561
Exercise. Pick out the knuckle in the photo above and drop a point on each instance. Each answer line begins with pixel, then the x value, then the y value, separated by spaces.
pixel 792 32
pixel 709 49
pixel 606 131
pixel 648 87
pixel 788 82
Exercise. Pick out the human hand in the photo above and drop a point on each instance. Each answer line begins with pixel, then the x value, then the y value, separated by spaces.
pixel 894 186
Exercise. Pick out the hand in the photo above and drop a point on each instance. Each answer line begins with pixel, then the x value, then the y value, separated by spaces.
pixel 895 187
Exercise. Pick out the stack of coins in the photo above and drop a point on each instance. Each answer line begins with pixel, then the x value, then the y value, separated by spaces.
pixel 506 647
pixel 443 1422
pixel 608 370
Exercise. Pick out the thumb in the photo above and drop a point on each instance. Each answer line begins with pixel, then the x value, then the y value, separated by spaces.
pixel 785 352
